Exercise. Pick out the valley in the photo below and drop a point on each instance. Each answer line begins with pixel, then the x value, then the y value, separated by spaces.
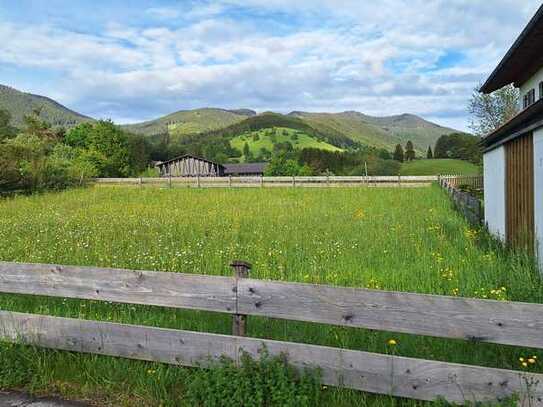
pixel 340 129
pixel 308 143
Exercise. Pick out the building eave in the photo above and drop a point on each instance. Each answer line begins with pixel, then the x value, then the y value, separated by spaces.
pixel 523 59
pixel 524 122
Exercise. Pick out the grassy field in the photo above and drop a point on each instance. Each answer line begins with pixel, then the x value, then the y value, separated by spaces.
pixel 439 166
pixel 393 239
pixel 267 138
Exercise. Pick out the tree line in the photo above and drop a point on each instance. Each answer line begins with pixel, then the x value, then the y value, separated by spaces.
pixel 459 146
pixel 39 156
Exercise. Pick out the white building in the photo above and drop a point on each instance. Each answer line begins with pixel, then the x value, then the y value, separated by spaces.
pixel 513 154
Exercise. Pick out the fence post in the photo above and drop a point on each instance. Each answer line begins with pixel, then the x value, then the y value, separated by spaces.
pixel 140 182
pixel 261 181
pixel 198 180
pixel 230 181
pixel 328 179
pixel 399 180
pixel 293 181
pixel 239 321
pixel 170 181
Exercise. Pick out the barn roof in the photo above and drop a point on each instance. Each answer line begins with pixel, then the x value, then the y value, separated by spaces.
pixel 527 120
pixel 187 156
pixel 522 60
pixel 248 168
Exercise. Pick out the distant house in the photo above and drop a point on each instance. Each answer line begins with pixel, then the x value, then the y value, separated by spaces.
pixel 192 166
pixel 513 154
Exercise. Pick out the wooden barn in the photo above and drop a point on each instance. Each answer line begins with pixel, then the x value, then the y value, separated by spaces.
pixel 513 154
pixel 192 166
pixel 189 166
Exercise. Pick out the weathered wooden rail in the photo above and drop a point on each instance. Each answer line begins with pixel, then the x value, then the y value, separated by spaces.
pixel 240 182
pixel 510 323
pixel 470 206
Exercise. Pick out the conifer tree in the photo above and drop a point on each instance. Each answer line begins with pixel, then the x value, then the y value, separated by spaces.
pixel 409 151
pixel 398 153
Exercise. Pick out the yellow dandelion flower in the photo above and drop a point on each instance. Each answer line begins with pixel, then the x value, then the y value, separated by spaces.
pixel 392 342
pixel 524 364
pixel 521 359
pixel 531 361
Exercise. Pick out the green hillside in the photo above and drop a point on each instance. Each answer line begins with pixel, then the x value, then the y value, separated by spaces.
pixel 19 104
pixel 439 166
pixel 342 130
pixel 267 138
pixel 269 120
pixel 190 122
pixel 384 132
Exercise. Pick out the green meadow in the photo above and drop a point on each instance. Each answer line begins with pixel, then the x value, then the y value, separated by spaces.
pixel 267 138
pixel 439 166
pixel 379 238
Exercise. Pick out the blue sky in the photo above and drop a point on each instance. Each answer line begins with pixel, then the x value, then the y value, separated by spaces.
pixel 134 60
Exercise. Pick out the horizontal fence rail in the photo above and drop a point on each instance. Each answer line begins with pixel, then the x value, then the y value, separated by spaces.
pixel 511 323
pixel 376 373
pixel 317 181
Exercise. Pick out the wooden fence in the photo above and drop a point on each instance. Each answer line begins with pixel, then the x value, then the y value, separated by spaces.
pixel 237 182
pixel 469 205
pixel 509 323
pixel 457 181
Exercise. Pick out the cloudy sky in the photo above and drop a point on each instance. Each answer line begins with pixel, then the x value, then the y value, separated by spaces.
pixel 132 60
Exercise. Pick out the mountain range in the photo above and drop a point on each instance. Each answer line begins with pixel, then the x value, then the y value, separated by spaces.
pixel 19 104
pixel 383 132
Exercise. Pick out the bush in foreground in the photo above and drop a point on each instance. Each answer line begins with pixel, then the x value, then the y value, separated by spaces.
pixel 269 381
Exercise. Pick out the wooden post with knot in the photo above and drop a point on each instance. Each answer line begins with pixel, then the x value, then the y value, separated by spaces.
pixel 239 321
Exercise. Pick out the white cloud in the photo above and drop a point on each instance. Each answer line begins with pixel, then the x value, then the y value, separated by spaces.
pixel 377 57
pixel 163 12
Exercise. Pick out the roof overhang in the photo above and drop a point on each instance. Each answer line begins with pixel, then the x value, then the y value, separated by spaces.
pixel 526 121
pixel 522 60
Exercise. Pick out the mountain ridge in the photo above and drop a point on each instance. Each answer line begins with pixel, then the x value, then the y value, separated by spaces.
pixel 377 131
pixel 19 104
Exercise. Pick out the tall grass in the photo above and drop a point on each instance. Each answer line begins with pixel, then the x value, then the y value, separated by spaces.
pixel 393 239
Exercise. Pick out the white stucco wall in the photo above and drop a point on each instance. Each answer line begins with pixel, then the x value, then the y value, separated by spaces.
pixel 538 192
pixel 532 83
pixel 494 180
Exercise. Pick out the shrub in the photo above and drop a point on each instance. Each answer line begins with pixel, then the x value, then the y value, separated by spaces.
pixel 269 381
pixel 16 362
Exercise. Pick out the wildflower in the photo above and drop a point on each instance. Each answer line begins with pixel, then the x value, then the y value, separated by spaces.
pixel 531 361
pixel 359 214
pixel 524 364
pixel 392 342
